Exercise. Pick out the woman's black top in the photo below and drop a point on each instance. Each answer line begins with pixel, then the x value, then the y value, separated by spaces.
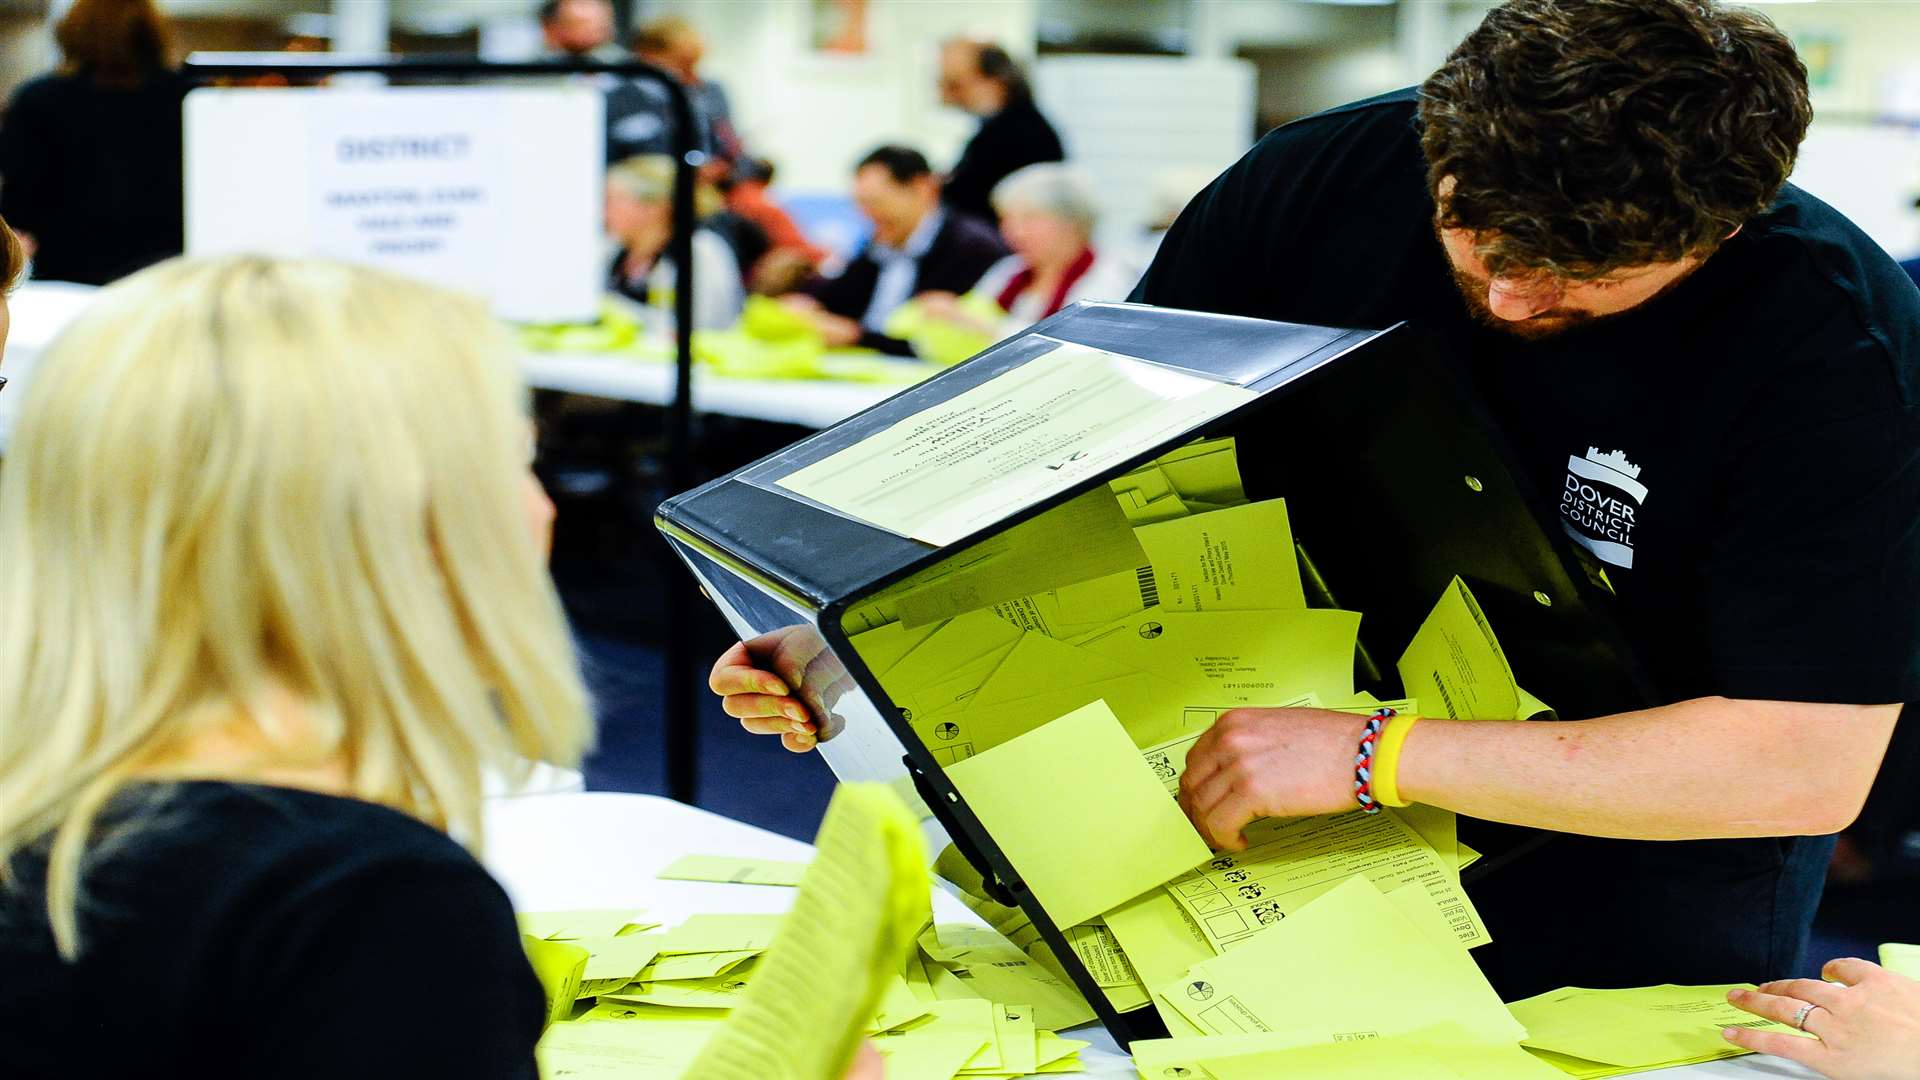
pixel 233 930
pixel 93 173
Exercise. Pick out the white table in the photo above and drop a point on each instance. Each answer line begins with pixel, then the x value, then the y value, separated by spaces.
pixel 814 403
pixel 41 309
pixel 601 850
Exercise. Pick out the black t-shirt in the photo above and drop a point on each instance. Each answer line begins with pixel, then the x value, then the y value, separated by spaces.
pixel 1013 138
pixel 1740 456
pixel 259 932
pixel 93 172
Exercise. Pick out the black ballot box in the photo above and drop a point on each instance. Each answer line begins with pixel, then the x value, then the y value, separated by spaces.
pixel 1394 482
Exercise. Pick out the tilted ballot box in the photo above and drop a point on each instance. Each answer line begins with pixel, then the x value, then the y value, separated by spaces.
pixel 1113 478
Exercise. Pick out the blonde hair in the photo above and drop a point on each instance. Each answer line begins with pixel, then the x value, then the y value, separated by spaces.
pixel 649 178
pixel 239 477
pixel 1050 188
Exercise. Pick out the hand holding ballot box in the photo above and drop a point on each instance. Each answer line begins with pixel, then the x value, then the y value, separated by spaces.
pixel 1025 591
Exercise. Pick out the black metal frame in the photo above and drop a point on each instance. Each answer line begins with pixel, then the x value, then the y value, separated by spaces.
pixel 682 722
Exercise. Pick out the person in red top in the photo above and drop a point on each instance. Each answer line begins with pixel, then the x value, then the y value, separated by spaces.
pixel 790 257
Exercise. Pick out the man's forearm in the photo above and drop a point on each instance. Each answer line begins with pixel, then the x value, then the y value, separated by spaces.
pixel 1711 767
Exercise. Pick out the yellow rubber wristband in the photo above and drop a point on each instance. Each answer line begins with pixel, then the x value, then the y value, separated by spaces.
pixel 1386 760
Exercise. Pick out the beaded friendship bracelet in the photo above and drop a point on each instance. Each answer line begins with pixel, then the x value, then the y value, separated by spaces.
pixel 1363 760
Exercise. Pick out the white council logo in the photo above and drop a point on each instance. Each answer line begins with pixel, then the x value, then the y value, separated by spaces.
pixel 1600 505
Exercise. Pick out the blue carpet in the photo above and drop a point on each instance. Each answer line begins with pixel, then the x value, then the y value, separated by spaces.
pixel 746 777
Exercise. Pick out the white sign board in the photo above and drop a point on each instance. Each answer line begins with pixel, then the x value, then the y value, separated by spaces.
pixel 492 190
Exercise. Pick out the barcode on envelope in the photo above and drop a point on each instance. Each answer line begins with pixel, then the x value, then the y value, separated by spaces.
pixel 1149 588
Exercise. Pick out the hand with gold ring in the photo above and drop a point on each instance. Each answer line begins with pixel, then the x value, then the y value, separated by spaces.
pixel 1865 1022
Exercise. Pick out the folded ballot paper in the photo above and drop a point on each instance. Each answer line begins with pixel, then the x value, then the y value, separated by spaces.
pixel 765 996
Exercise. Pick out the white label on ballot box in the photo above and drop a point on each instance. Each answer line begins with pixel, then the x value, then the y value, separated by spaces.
pixel 1012 441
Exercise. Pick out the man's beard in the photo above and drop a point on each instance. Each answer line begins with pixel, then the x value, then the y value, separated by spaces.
pixel 1540 327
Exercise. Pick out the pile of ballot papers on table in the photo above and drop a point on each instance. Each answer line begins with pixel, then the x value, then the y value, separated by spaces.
pixel 753 997
pixel 1062 669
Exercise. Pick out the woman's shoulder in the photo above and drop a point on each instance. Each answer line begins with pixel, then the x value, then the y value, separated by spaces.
pixel 999 275
pixel 41 91
pixel 256 841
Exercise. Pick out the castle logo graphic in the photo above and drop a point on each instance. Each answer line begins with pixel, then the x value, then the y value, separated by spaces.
pixel 1600 505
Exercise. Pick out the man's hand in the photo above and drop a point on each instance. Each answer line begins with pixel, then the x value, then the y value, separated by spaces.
pixel 778 682
pixel 1256 763
pixel 1867 1027
pixel 839 331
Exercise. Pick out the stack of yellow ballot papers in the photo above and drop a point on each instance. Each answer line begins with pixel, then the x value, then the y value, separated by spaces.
pixel 1120 625
pixel 724 996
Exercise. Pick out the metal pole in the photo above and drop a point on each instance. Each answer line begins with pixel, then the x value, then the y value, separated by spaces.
pixel 682 666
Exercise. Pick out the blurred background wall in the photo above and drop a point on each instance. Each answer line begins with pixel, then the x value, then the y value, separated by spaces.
pixel 1136 85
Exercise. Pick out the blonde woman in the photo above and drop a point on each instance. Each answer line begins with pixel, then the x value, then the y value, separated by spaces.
pixel 272 598
pixel 640 222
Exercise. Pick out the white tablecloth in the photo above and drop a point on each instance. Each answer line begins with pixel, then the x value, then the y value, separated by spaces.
pixel 810 403
pixel 41 309
pixel 599 850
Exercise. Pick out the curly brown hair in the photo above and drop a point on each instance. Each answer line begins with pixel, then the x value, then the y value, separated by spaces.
pixel 1585 136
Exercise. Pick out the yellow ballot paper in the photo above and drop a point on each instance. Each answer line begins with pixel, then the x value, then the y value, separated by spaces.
pixel 1149 708
pixel 733 869
pixel 572 925
pixel 1238 657
pixel 998 448
pixel 1608 1032
pixel 1901 959
pixel 720 992
pixel 1455 666
pixel 994 968
pixel 1288 863
pixel 1206 470
pixel 559 966
pixel 1084 606
pixel 1084 538
pixel 1079 814
pixel 860 906
pixel 1302 973
pixel 617 957
pixel 604 1048
pixel 1444 1051
pixel 709 933
pixel 1238 559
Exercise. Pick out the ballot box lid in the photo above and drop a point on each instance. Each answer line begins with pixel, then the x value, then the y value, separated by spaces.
pixel 817 557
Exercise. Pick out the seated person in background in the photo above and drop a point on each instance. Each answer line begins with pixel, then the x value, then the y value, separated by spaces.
pixel 1047 215
pixel 744 236
pixel 640 221
pixel 297 560
pixel 917 247
pixel 790 257
pixel 1865 1021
